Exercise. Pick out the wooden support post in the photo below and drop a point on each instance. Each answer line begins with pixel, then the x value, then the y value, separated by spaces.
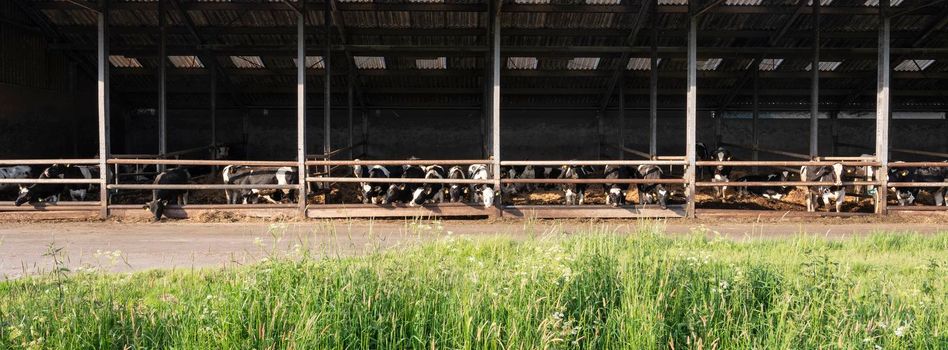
pixel 350 110
pixel 755 120
pixel 102 92
pixel 882 109
pixel 718 117
pixel 653 90
pixel 691 113
pixel 815 84
pixel 301 111
pixel 162 74
pixel 495 102
pixel 327 81
pixel 621 117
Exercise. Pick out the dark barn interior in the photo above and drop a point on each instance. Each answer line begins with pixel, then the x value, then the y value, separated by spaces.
pixel 587 80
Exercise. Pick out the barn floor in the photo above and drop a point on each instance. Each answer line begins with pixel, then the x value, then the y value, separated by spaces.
pixel 117 246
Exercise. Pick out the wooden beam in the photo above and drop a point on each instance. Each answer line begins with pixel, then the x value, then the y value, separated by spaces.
pixel 495 100
pixel 102 88
pixel 301 112
pixel 882 108
pixel 691 115
pixel 815 84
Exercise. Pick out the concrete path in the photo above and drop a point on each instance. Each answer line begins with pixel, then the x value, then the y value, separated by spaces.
pixel 138 246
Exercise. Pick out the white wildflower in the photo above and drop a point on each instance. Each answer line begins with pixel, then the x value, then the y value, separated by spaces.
pixel 900 331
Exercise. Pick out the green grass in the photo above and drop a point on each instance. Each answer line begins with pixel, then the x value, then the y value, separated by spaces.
pixel 586 290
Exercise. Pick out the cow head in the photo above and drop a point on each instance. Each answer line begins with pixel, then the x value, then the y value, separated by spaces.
pixel 838 174
pixel 721 155
pixel 156 207
pixel 616 196
pixel 419 195
pixel 221 152
pixel 392 194
pixel 487 194
pixel 25 195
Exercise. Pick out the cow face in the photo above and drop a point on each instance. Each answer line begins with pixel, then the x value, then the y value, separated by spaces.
pixel 156 207
pixel 455 192
pixel 721 155
pixel 488 196
pixel 838 174
pixel 616 196
pixel 391 195
pixel 24 196
pixel 418 196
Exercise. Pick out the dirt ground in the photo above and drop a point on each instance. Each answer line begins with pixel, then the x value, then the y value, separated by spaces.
pixel 117 246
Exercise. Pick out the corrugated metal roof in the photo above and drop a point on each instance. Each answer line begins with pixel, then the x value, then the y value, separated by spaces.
pixel 312 62
pixel 124 62
pixel 522 62
pixel 709 64
pixel 641 63
pixel 875 3
pixel 603 2
pixel 825 66
pixel 247 62
pixel 743 2
pixel 432 63
pixel 369 62
pixel 673 2
pixel 186 61
pixel 531 1
pixel 913 65
pixel 769 64
pixel 583 63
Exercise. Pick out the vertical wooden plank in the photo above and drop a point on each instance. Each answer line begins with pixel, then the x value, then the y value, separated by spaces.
pixel 102 93
pixel 162 75
pixel 495 103
pixel 301 111
pixel 882 109
pixel 815 84
pixel 653 89
pixel 691 114
pixel 327 92
pixel 622 116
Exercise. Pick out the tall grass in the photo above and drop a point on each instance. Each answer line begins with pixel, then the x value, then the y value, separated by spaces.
pixel 584 290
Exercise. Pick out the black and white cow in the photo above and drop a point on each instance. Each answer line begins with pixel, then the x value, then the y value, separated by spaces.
pixel 79 192
pixel 824 173
pixel 616 192
pixel 374 192
pixel 176 176
pixel 908 195
pixel 481 193
pixel 654 192
pixel 769 192
pixel 575 193
pixel 44 192
pixel 249 175
pixel 52 192
pixel 430 192
pixel 457 192
pixel 722 173
pixel 403 193
pixel 14 172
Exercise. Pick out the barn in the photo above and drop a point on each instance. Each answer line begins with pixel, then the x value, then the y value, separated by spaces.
pixel 141 86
